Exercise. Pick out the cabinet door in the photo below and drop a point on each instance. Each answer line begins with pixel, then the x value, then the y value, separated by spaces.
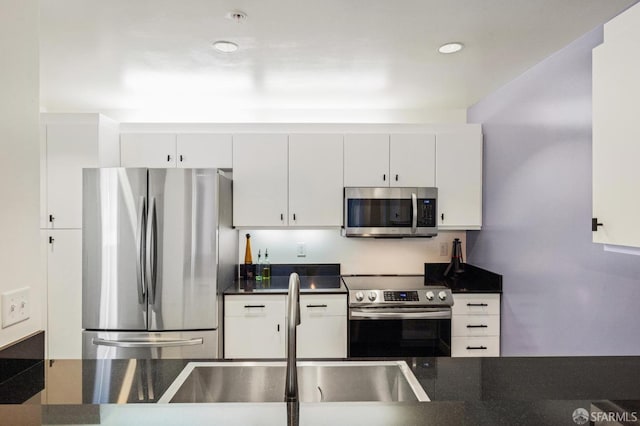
pixel 199 151
pixel 254 327
pixel 322 332
pixel 147 150
pixel 616 136
pixel 260 173
pixel 64 295
pixel 459 180
pixel 315 180
pixel 366 160
pixel 412 160
pixel 69 149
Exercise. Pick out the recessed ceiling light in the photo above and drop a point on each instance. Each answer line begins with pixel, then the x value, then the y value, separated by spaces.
pixel 236 15
pixel 225 46
pixel 451 47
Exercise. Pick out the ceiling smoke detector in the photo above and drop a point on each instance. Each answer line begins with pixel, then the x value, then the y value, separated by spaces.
pixel 451 47
pixel 225 46
pixel 237 16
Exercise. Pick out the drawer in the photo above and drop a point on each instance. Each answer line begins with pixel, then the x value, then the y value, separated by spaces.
pixel 475 346
pixel 263 305
pixel 476 304
pixel 475 325
pixel 323 305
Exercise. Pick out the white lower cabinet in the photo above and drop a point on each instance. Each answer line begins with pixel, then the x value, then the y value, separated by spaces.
pixel 255 326
pixel 475 325
pixel 322 332
pixel 64 294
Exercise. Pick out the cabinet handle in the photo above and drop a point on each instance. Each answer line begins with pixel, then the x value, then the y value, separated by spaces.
pixel 51 240
pixel 168 158
pixel 477 326
pixel 254 306
pixel 442 216
pixel 477 304
pixel 384 177
pixel 396 178
pixel 317 306
pixel 278 328
pixel 281 216
pixel 294 216
pixel 181 157
pixel 595 224
pixel 474 348
pixel 51 218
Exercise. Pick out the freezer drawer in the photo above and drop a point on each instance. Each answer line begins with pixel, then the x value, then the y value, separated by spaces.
pixel 152 345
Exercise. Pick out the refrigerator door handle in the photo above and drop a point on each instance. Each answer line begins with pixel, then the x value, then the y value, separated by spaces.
pixel 152 251
pixel 140 249
pixel 157 343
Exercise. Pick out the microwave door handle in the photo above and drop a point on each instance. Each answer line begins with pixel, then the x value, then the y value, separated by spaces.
pixel 414 208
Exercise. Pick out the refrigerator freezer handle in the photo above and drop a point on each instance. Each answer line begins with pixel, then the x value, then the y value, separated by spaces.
pixel 148 343
pixel 141 249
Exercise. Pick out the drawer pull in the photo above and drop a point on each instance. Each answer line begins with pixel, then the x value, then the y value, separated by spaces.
pixel 477 304
pixel 477 326
pixel 254 306
pixel 317 306
pixel 474 348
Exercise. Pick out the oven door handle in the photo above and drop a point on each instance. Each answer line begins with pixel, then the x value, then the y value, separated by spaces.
pixel 365 314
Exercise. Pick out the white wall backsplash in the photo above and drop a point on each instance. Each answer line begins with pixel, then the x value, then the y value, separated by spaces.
pixel 356 255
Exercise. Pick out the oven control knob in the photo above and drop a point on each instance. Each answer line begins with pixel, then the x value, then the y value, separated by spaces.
pixel 430 295
pixel 372 295
pixel 359 296
pixel 442 295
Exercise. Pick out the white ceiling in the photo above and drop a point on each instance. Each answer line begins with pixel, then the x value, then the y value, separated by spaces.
pixel 149 60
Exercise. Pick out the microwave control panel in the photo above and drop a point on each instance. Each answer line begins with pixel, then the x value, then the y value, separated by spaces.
pixel 426 212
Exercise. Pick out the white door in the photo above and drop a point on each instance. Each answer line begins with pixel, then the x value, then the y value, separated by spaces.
pixel 366 160
pixel 204 151
pixel 64 294
pixel 254 326
pixel 147 150
pixel 69 149
pixel 412 160
pixel 616 136
pixel 315 180
pixel 459 180
pixel 260 174
pixel 322 332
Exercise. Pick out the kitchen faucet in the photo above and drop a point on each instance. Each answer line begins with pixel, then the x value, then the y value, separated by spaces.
pixel 293 307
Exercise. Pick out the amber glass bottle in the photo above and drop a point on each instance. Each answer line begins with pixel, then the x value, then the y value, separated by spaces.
pixel 248 260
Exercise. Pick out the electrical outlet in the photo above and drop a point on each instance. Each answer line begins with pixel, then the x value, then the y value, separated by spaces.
pixel 301 250
pixel 443 249
pixel 16 306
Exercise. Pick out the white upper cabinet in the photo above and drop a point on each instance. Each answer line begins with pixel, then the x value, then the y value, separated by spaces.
pixel 204 151
pixel 412 160
pixel 70 143
pixel 366 160
pixel 315 180
pixel 616 134
pixel 154 150
pixel 459 179
pixel 389 160
pixel 260 176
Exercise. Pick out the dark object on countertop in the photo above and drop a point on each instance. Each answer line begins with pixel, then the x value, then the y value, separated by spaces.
pixel 473 280
pixel 456 266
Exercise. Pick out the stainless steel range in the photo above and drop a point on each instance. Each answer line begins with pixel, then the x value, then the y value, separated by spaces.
pixel 398 316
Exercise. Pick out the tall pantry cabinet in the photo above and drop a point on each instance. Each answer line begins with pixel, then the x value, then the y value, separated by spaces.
pixel 68 143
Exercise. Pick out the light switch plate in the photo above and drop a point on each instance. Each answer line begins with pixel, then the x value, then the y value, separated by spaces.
pixel 16 306
pixel 301 249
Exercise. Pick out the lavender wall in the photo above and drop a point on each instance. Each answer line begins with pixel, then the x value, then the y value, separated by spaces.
pixel 563 295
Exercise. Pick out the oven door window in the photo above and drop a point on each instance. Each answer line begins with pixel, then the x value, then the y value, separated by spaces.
pixel 379 213
pixel 399 338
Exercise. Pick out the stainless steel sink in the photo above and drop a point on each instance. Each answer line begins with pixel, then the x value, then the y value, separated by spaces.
pixel 318 382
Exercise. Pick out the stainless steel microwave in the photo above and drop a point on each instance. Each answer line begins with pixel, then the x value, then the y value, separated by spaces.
pixel 390 212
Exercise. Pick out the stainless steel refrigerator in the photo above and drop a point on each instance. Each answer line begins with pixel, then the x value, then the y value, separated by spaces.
pixel 158 247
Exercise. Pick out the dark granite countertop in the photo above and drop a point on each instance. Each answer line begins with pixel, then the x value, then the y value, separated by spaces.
pixel 280 285
pixel 474 391
pixel 472 280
